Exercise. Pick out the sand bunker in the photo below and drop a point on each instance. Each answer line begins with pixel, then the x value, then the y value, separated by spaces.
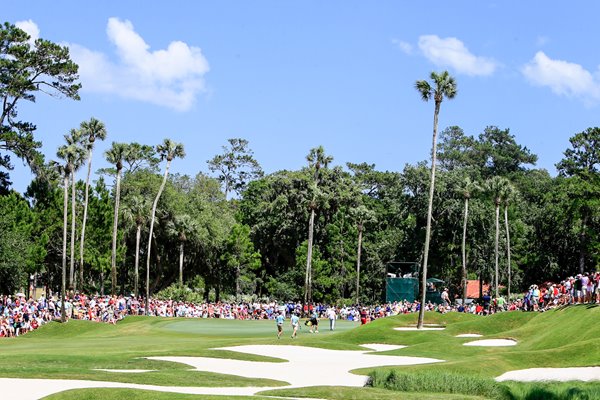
pixel 552 374
pixel 306 366
pixel 469 335
pixel 382 347
pixel 492 343
pixel 414 328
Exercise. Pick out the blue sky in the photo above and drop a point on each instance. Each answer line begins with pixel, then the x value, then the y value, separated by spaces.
pixel 289 76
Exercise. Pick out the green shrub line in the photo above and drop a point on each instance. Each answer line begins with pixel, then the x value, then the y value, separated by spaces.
pixel 452 383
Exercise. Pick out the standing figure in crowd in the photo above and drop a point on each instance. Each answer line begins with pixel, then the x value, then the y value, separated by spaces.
pixel 295 324
pixel 279 321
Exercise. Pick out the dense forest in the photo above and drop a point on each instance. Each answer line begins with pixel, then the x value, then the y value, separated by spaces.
pixel 324 233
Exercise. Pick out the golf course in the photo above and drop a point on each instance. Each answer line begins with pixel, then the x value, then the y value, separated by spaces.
pixel 85 351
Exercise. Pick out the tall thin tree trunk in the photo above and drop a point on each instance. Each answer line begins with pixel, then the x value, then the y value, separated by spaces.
pixel 358 252
pixel 582 239
pixel 237 282
pixel 464 253
pixel 496 240
pixel 429 212
pixel 63 287
pixel 181 264
pixel 113 256
pixel 507 250
pixel 307 279
pixel 73 216
pixel 154 205
pixel 136 278
pixel 85 209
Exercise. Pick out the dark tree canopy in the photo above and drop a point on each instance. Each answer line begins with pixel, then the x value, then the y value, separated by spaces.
pixel 25 70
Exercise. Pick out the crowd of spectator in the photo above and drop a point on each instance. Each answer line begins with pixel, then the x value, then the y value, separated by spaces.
pixel 19 315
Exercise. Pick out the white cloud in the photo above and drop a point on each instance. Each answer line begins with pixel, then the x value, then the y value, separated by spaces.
pixel 402 45
pixel 31 28
pixel 562 77
pixel 172 77
pixel 451 52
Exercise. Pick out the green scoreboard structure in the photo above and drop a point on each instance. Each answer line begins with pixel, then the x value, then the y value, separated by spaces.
pixel 402 283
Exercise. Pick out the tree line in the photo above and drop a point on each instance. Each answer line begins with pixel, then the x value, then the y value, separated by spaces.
pixel 322 233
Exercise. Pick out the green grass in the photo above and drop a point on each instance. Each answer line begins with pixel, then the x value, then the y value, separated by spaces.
pixel 131 394
pixel 560 338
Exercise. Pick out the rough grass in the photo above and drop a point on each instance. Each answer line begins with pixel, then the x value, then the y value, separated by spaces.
pixel 568 337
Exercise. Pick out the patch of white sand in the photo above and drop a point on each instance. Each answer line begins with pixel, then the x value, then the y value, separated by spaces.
pixel 382 347
pixel 552 374
pixel 469 335
pixel 414 328
pixel 307 366
pixel 125 371
pixel 492 343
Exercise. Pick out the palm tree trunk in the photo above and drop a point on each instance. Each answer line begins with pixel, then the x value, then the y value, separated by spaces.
pixel 582 239
pixel 496 239
pixel 73 216
pixel 181 264
pixel 429 212
pixel 464 253
pixel 154 205
pixel 85 208
pixel 307 278
pixel 63 288
pixel 507 250
pixel 358 251
pixel 113 255
pixel 136 278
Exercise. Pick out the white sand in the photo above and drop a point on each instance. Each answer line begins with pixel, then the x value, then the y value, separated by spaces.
pixel 492 343
pixel 125 371
pixel 552 374
pixel 307 366
pixel 469 335
pixel 414 328
pixel 382 347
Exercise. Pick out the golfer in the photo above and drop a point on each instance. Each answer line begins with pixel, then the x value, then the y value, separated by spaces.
pixel 295 324
pixel 279 321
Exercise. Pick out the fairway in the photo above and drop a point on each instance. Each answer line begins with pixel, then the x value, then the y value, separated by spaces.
pixel 167 348
pixel 244 329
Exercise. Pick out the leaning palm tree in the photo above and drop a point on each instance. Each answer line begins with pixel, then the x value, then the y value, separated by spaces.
pixel 468 188
pixel 115 156
pixel 91 130
pixel 317 160
pixel 136 211
pixel 496 187
pixel 444 86
pixel 508 196
pixel 69 153
pixel 168 150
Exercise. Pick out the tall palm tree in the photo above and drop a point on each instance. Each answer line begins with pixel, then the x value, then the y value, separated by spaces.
pixel 91 130
pixel 468 188
pixel 508 196
pixel 74 150
pixel 168 150
pixel 136 210
pixel 182 226
pixel 69 153
pixel 444 85
pixel 363 216
pixel 496 187
pixel 115 156
pixel 317 160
